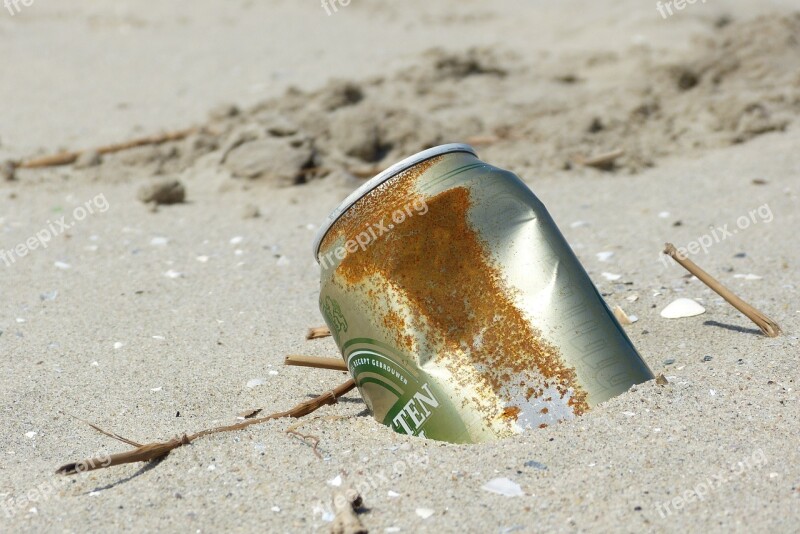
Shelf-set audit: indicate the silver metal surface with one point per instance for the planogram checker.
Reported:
(374, 182)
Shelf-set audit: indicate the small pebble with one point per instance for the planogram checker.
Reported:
(535, 465)
(669, 361)
(223, 111)
(62, 265)
(250, 211)
(424, 513)
(8, 171)
(50, 295)
(162, 191)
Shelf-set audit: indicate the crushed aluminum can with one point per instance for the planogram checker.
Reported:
(461, 311)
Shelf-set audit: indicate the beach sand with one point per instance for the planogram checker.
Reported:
(155, 322)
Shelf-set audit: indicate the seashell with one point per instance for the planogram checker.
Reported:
(682, 307)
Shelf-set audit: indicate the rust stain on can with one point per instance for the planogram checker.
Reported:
(378, 203)
(458, 300)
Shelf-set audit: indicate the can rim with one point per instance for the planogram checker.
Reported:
(380, 178)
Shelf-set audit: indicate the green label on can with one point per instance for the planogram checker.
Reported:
(410, 403)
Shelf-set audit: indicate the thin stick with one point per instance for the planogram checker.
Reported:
(767, 325)
(318, 331)
(152, 451)
(300, 360)
(602, 161)
(113, 435)
(65, 158)
(306, 437)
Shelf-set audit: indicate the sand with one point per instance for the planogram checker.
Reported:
(151, 322)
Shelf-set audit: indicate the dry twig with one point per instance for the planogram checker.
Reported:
(318, 331)
(65, 158)
(152, 451)
(767, 325)
(602, 161)
(299, 360)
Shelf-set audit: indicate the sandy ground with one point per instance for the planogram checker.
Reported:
(150, 324)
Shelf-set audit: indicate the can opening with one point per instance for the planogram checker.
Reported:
(374, 182)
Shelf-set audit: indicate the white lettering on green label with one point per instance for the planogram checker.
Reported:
(416, 412)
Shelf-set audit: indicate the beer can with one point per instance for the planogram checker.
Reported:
(459, 308)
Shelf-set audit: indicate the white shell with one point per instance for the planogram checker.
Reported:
(682, 308)
(748, 276)
(424, 513)
(503, 486)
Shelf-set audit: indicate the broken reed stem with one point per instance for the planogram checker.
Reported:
(602, 161)
(65, 158)
(767, 325)
(153, 451)
(318, 332)
(300, 360)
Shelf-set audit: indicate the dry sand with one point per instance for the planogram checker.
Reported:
(153, 323)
